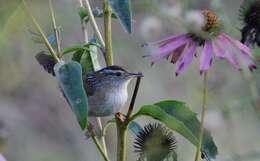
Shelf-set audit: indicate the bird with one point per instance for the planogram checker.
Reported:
(106, 90)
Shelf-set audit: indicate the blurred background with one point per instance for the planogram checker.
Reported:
(39, 124)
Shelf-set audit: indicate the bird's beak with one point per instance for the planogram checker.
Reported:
(136, 74)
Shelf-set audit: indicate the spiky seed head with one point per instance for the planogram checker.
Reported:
(155, 143)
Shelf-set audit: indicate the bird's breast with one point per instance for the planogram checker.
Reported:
(107, 103)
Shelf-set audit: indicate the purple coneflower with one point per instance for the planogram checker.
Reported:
(181, 49)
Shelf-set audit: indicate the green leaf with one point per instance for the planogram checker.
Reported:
(86, 62)
(157, 113)
(73, 49)
(83, 14)
(77, 56)
(178, 117)
(122, 9)
(181, 112)
(69, 76)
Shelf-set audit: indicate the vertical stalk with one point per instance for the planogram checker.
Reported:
(108, 33)
(203, 113)
(56, 30)
(121, 139)
(122, 123)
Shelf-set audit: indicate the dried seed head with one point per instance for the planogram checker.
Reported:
(155, 143)
(211, 20)
(250, 14)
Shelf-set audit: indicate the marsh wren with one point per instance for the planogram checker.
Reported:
(107, 90)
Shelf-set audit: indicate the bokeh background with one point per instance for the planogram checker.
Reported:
(39, 124)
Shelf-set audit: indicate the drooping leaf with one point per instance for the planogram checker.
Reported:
(178, 117)
(180, 111)
(122, 9)
(46, 61)
(86, 62)
(159, 114)
(86, 55)
(93, 49)
(69, 76)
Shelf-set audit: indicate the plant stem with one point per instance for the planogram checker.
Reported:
(39, 29)
(122, 123)
(84, 25)
(100, 149)
(56, 30)
(108, 33)
(203, 113)
(94, 24)
(103, 140)
(121, 137)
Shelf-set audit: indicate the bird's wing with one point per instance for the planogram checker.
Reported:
(90, 84)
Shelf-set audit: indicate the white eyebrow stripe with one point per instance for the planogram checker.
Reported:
(112, 71)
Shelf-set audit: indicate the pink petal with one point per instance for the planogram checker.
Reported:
(220, 53)
(167, 40)
(239, 45)
(247, 61)
(177, 54)
(229, 51)
(166, 49)
(2, 157)
(206, 57)
(186, 59)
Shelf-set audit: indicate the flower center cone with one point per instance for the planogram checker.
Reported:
(211, 20)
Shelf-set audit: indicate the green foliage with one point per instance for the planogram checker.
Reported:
(69, 76)
(86, 55)
(178, 117)
(122, 9)
(184, 114)
(83, 14)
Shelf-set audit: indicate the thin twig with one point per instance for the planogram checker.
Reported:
(103, 140)
(84, 25)
(38, 27)
(132, 103)
(94, 24)
(56, 30)
(100, 149)
(203, 113)
(108, 124)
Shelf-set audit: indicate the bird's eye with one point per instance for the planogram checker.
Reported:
(118, 74)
